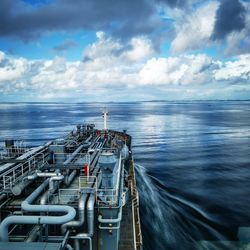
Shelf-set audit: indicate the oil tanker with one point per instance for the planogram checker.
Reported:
(77, 192)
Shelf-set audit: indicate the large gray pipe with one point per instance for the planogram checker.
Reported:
(69, 247)
(34, 233)
(65, 180)
(81, 215)
(52, 180)
(18, 188)
(53, 188)
(90, 219)
(69, 179)
(41, 174)
(70, 213)
(43, 200)
(2, 197)
(90, 214)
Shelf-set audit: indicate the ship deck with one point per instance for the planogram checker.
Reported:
(90, 174)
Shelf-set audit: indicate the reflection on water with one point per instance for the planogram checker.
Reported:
(192, 162)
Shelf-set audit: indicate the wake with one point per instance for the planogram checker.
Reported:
(168, 219)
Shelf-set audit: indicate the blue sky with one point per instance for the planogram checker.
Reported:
(115, 50)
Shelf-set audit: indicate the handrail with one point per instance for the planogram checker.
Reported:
(135, 208)
(16, 173)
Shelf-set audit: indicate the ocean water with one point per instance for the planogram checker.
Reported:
(192, 161)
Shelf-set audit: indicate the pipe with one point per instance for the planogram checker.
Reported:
(90, 214)
(73, 155)
(52, 180)
(55, 176)
(18, 188)
(77, 244)
(81, 237)
(31, 177)
(43, 201)
(44, 198)
(111, 221)
(51, 190)
(65, 180)
(34, 233)
(65, 239)
(81, 214)
(70, 213)
(2, 197)
(37, 219)
(90, 219)
(47, 174)
(69, 247)
(41, 174)
(69, 178)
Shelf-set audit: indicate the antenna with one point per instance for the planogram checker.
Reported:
(105, 118)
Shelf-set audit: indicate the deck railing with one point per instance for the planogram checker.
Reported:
(66, 196)
(18, 172)
(135, 208)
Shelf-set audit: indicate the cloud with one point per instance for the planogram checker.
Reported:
(123, 19)
(193, 31)
(238, 42)
(105, 67)
(223, 25)
(112, 63)
(182, 70)
(174, 3)
(11, 69)
(54, 75)
(238, 70)
(67, 44)
(132, 70)
(137, 48)
(230, 17)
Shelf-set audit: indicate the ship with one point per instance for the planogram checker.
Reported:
(76, 192)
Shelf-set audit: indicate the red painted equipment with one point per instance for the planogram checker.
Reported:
(86, 169)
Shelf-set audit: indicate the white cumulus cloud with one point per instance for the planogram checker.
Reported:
(181, 70)
(193, 31)
(110, 69)
(11, 68)
(238, 69)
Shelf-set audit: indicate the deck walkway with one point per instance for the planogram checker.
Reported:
(127, 238)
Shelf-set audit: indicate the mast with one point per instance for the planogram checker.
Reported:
(105, 118)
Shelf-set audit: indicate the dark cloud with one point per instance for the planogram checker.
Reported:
(67, 44)
(118, 52)
(87, 59)
(174, 3)
(120, 18)
(3, 63)
(230, 17)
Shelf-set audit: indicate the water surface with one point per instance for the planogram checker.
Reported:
(192, 161)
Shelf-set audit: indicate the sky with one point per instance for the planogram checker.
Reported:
(124, 50)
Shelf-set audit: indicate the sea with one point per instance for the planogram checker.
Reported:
(192, 162)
